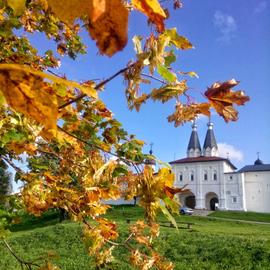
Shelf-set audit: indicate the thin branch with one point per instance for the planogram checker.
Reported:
(97, 87)
(153, 77)
(49, 153)
(11, 163)
(21, 261)
(125, 160)
(55, 74)
(85, 142)
(62, 77)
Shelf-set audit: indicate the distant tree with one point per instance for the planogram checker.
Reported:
(5, 182)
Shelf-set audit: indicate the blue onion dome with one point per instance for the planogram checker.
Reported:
(258, 162)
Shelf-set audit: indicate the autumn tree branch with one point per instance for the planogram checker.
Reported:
(153, 77)
(125, 160)
(11, 163)
(22, 263)
(97, 87)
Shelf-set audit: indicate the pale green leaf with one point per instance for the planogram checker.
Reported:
(168, 215)
(177, 40)
(170, 58)
(166, 74)
(172, 204)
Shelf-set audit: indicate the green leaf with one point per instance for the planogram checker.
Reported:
(177, 40)
(166, 74)
(167, 92)
(168, 215)
(172, 204)
(18, 6)
(120, 170)
(170, 58)
(13, 135)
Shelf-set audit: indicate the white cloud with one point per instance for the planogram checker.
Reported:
(227, 150)
(226, 25)
(260, 7)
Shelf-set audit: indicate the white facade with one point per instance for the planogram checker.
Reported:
(214, 182)
(208, 181)
(257, 190)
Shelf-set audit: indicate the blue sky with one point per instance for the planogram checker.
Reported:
(231, 40)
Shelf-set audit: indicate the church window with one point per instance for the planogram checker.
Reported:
(215, 176)
(192, 177)
(234, 199)
(231, 177)
(205, 176)
(181, 177)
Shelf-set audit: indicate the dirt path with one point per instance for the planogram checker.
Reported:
(240, 220)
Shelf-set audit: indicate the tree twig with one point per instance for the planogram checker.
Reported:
(97, 87)
(20, 261)
(11, 163)
(153, 77)
(125, 160)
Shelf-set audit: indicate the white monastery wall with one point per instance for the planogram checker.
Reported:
(257, 191)
(234, 187)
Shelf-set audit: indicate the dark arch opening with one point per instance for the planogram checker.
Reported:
(190, 201)
(213, 202)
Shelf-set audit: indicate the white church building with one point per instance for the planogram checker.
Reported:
(214, 181)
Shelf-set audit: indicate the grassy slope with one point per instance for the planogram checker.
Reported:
(211, 244)
(251, 216)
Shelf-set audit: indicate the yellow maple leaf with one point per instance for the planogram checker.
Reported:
(153, 10)
(28, 94)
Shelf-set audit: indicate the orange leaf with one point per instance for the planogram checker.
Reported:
(222, 98)
(109, 27)
(99, 9)
(170, 192)
(184, 113)
(108, 20)
(68, 10)
(153, 10)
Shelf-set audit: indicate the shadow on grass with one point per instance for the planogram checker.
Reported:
(30, 222)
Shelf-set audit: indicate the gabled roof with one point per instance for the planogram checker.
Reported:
(210, 140)
(255, 168)
(202, 159)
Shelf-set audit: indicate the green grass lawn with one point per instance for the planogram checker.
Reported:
(210, 244)
(251, 216)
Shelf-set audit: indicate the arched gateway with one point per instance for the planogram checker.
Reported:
(188, 199)
(211, 201)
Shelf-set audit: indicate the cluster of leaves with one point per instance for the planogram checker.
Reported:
(68, 133)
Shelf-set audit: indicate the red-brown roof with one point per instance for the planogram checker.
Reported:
(202, 159)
